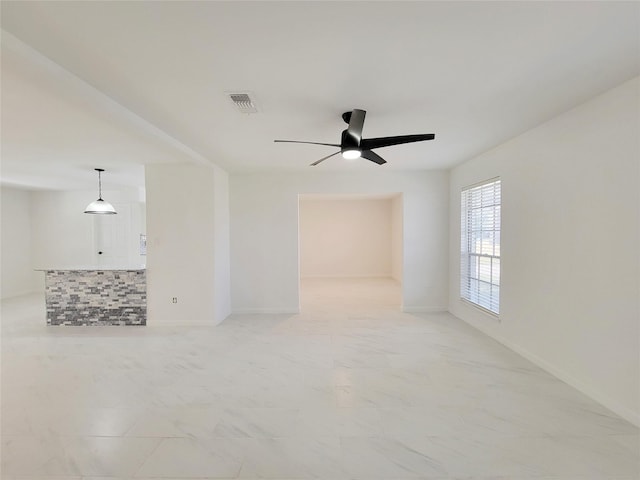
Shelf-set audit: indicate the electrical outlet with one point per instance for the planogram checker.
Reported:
(174, 300)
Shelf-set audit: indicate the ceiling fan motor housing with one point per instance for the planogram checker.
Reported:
(348, 142)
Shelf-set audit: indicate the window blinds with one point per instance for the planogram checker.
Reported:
(480, 245)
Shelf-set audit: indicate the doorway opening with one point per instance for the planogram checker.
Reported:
(350, 251)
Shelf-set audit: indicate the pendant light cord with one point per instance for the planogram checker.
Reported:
(99, 185)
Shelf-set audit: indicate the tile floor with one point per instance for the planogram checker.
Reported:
(349, 389)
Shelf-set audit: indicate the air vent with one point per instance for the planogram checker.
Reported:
(243, 102)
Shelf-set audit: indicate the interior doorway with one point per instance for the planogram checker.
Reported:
(350, 251)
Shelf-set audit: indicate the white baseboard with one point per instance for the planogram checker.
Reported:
(189, 323)
(597, 396)
(411, 309)
(265, 311)
(376, 275)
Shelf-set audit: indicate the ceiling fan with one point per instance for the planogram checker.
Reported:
(353, 146)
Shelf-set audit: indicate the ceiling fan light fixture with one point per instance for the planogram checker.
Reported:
(99, 206)
(351, 154)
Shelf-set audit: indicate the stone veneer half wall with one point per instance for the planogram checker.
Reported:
(96, 297)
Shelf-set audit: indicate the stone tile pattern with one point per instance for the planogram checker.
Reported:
(96, 297)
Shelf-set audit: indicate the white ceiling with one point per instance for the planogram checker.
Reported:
(122, 84)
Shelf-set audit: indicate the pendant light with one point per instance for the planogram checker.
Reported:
(100, 207)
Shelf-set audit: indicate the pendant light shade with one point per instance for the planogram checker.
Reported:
(100, 207)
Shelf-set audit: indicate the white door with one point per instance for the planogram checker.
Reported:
(112, 234)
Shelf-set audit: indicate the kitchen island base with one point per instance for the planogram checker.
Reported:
(96, 297)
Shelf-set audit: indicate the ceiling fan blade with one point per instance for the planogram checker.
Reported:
(310, 143)
(356, 122)
(373, 157)
(323, 159)
(369, 143)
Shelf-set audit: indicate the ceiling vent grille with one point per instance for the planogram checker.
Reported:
(243, 102)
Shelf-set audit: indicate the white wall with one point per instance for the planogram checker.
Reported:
(570, 234)
(341, 237)
(48, 229)
(138, 227)
(222, 248)
(264, 234)
(396, 238)
(62, 233)
(182, 244)
(64, 236)
(16, 262)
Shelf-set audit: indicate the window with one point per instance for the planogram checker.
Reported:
(480, 245)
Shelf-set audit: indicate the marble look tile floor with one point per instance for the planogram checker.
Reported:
(348, 389)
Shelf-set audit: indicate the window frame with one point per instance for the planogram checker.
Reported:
(472, 230)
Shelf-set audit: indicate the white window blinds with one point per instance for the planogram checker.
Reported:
(480, 245)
